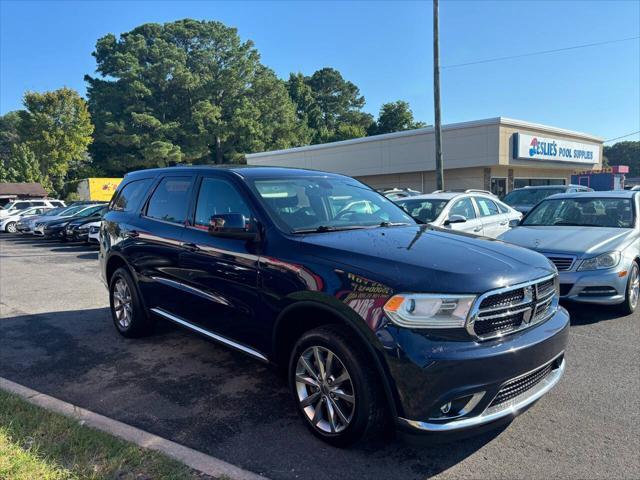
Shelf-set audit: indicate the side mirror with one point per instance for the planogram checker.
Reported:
(232, 225)
(455, 219)
(514, 223)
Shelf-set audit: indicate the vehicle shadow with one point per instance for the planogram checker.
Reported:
(200, 394)
(586, 314)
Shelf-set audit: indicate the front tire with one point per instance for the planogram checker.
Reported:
(632, 296)
(128, 314)
(10, 227)
(336, 389)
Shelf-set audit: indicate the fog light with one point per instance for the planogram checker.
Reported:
(446, 408)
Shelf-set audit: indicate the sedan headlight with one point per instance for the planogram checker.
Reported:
(429, 310)
(606, 260)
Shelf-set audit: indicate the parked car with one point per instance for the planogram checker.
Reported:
(77, 230)
(397, 193)
(469, 211)
(8, 223)
(27, 225)
(594, 241)
(55, 228)
(524, 199)
(372, 315)
(17, 205)
(94, 233)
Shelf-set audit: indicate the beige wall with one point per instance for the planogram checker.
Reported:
(464, 147)
(406, 159)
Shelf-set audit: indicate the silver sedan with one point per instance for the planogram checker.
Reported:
(594, 241)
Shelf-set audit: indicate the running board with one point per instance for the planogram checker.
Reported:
(208, 334)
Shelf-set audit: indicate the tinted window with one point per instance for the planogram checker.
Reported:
(530, 196)
(218, 196)
(463, 207)
(502, 207)
(486, 207)
(21, 205)
(38, 204)
(170, 200)
(129, 197)
(57, 204)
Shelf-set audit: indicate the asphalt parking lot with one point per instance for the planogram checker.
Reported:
(56, 336)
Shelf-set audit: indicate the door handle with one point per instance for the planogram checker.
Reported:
(132, 234)
(477, 229)
(190, 246)
(503, 223)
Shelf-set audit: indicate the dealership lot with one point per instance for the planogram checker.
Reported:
(56, 336)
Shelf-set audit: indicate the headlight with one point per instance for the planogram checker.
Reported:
(606, 260)
(429, 310)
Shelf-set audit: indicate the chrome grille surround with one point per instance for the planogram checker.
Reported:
(529, 303)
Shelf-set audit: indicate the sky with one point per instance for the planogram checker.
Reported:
(385, 48)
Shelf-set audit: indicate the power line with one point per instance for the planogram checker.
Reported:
(542, 52)
(623, 136)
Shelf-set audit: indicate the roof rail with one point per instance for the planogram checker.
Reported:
(468, 190)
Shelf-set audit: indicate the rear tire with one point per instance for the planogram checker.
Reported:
(632, 294)
(337, 391)
(129, 315)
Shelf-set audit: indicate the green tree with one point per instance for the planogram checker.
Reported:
(186, 91)
(624, 153)
(56, 127)
(23, 166)
(9, 135)
(329, 106)
(395, 117)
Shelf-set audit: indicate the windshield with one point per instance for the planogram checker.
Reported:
(530, 196)
(54, 211)
(90, 211)
(425, 210)
(583, 212)
(309, 204)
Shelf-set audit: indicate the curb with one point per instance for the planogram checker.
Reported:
(192, 458)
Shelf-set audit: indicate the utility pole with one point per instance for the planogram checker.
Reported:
(436, 98)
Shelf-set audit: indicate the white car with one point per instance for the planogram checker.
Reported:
(94, 233)
(8, 223)
(472, 211)
(15, 206)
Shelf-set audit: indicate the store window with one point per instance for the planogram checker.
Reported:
(537, 182)
(499, 186)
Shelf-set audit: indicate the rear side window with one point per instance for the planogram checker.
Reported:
(21, 205)
(129, 197)
(170, 200)
(502, 207)
(486, 207)
(57, 204)
(38, 204)
(216, 197)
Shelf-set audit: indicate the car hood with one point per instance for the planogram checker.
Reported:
(424, 258)
(577, 241)
(83, 220)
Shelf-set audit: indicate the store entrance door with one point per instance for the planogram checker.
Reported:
(499, 186)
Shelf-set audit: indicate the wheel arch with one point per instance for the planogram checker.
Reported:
(302, 316)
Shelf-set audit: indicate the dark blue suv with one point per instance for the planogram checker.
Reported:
(376, 319)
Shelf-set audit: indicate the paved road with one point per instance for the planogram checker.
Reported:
(56, 336)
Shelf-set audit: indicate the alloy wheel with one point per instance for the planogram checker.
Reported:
(11, 227)
(325, 390)
(122, 303)
(634, 287)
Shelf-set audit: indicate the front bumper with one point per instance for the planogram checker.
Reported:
(429, 373)
(602, 287)
(56, 232)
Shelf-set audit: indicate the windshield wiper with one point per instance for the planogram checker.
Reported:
(327, 228)
(393, 224)
(573, 224)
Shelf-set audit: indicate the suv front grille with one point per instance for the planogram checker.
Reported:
(522, 384)
(510, 309)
